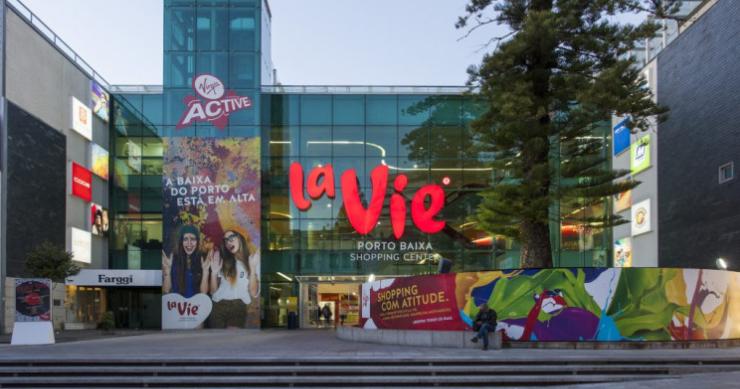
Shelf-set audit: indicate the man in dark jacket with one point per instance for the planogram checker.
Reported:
(485, 322)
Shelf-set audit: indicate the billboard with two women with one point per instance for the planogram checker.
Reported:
(211, 233)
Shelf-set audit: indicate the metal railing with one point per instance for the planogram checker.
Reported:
(137, 89)
(364, 89)
(60, 44)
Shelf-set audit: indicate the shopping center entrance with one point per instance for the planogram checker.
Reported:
(329, 301)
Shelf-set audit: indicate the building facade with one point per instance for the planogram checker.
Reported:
(312, 255)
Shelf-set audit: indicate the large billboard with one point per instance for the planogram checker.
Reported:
(211, 222)
(567, 304)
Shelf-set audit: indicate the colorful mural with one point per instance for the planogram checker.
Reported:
(586, 304)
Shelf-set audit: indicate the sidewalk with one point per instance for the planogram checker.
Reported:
(307, 344)
(79, 335)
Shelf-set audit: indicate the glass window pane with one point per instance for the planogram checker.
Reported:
(349, 141)
(211, 25)
(349, 110)
(179, 70)
(316, 141)
(242, 29)
(382, 141)
(181, 33)
(243, 70)
(316, 109)
(381, 110)
(411, 110)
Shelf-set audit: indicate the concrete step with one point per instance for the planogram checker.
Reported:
(325, 381)
(361, 369)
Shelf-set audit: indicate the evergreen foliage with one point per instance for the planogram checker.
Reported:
(50, 261)
(560, 71)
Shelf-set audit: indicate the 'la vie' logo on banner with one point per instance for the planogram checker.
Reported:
(363, 220)
(214, 105)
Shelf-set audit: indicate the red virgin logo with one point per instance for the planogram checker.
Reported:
(320, 181)
(216, 106)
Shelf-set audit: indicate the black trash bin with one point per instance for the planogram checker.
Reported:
(292, 321)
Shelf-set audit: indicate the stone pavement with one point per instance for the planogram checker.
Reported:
(323, 345)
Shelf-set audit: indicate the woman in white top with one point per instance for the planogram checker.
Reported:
(233, 280)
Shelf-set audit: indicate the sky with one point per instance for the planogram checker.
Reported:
(314, 42)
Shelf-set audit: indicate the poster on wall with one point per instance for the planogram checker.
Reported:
(565, 304)
(81, 182)
(641, 217)
(623, 252)
(621, 136)
(32, 300)
(81, 245)
(211, 232)
(99, 222)
(623, 201)
(640, 155)
(100, 162)
(100, 100)
(81, 119)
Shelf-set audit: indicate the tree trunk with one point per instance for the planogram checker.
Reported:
(535, 240)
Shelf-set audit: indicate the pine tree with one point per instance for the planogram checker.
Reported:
(561, 70)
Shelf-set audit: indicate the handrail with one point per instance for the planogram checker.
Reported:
(364, 89)
(60, 44)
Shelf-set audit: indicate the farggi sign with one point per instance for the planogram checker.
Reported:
(321, 181)
(213, 103)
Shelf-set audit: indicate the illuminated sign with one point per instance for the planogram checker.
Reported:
(81, 245)
(81, 119)
(320, 181)
(216, 106)
(81, 182)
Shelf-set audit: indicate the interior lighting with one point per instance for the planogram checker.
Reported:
(371, 278)
(284, 276)
(721, 263)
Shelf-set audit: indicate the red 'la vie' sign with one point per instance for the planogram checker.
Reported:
(321, 181)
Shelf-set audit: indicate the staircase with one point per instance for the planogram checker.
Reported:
(334, 372)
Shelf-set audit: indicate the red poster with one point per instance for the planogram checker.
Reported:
(81, 182)
(415, 303)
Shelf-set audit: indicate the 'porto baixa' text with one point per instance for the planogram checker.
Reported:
(320, 181)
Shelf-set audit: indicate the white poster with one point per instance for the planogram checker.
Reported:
(641, 217)
(81, 245)
(81, 119)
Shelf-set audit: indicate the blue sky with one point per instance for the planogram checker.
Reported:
(314, 42)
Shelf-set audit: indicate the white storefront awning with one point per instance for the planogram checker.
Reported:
(115, 277)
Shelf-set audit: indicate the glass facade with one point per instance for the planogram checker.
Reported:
(427, 138)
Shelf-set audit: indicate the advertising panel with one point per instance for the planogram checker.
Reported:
(81, 119)
(640, 221)
(81, 245)
(100, 159)
(32, 300)
(81, 182)
(100, 100)
(211, 229)
(623, 252)
(640, 155)
(99, 222)
(623, 201)
(567, 304)
(621, 137)
(422, 303)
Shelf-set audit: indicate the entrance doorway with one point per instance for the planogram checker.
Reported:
(328, 302)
